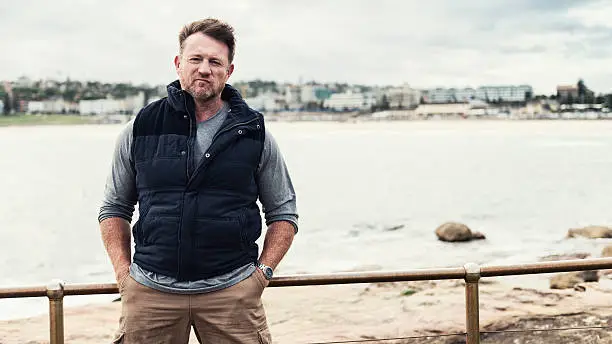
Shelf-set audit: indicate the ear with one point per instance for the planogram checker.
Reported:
(230, 70)
(177, 62)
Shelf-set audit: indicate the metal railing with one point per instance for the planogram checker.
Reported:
(471, 273)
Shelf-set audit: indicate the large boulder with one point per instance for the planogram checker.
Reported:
(606, 253)
(591, 232)
(456, 232)
(570, 280)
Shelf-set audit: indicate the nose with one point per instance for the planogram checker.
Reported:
(204, 67)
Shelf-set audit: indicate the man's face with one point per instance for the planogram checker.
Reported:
(203, 67)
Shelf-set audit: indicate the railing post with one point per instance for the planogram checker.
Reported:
(472, 276)
(55, 293)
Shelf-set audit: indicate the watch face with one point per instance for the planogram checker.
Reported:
(268, 272)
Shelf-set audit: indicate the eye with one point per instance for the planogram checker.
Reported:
(195, 59)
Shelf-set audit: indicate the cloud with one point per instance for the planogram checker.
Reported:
(426, 44)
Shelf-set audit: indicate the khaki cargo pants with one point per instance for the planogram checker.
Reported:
(229, 316)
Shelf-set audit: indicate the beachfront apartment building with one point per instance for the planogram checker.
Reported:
(266, 102)
(350, 101)
(502, 94)
(403, 97)
(111, 106)
(51, 106)
(24, 82)
(293, 97)
(314, 93)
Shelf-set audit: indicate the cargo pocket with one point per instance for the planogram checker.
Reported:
(264, 336)
(263, 282)
(119, 336)
(118, 339)
(121, 284)
(120, 333)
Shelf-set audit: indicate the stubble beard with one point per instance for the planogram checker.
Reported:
(201, 95)
(204, 94)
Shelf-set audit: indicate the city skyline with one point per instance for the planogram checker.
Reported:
(427, 45)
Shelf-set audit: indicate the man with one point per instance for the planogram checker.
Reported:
(196, 162)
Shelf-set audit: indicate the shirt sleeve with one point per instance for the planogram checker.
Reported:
(276, 192)
(120, 194)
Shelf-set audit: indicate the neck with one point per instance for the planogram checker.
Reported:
(206, 109)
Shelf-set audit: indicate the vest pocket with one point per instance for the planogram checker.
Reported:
(160, 230)
(218, 233)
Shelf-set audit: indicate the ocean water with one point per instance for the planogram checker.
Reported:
(370, 196)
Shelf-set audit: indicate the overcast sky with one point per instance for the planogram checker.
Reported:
(445, 43)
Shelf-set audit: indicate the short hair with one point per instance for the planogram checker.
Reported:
(213, 28)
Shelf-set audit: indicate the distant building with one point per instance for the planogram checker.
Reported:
(35, 106)
(505, 94)
(109, 106)
(403, 97)
(471, 108)
(51, 106)
(99, 107)
(264, 103)
(24, 82)
(293, 97)
(463, 95)
(443, 109)
(490, 94)
(350, 101)
(314, 94)
(439, 96)
(307, 94)
(566, 93)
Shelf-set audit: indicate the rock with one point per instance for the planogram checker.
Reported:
(569, 256)
(570, 280)
(606, 253)
(394, 228)
(454, 232)
(478, 236)
(591, 232)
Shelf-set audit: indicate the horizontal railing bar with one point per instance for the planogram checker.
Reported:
(8, 293)
(556, 329)
(368, 277)
(547, 267)
(90, 289)
(354, 277)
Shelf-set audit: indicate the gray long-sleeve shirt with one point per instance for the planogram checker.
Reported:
(276, 195)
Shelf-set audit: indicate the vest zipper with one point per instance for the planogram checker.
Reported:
(180, 229)
(190, 136)
(232, 127)
(201, 166)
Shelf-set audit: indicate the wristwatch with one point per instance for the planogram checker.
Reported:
(267, 271)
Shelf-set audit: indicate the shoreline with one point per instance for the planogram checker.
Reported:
(24, 120)
(365, 311)
(38, 120)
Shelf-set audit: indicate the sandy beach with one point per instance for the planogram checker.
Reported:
(299, 315)
(511, 181)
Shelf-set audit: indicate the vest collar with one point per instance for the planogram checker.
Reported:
(183, 101)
